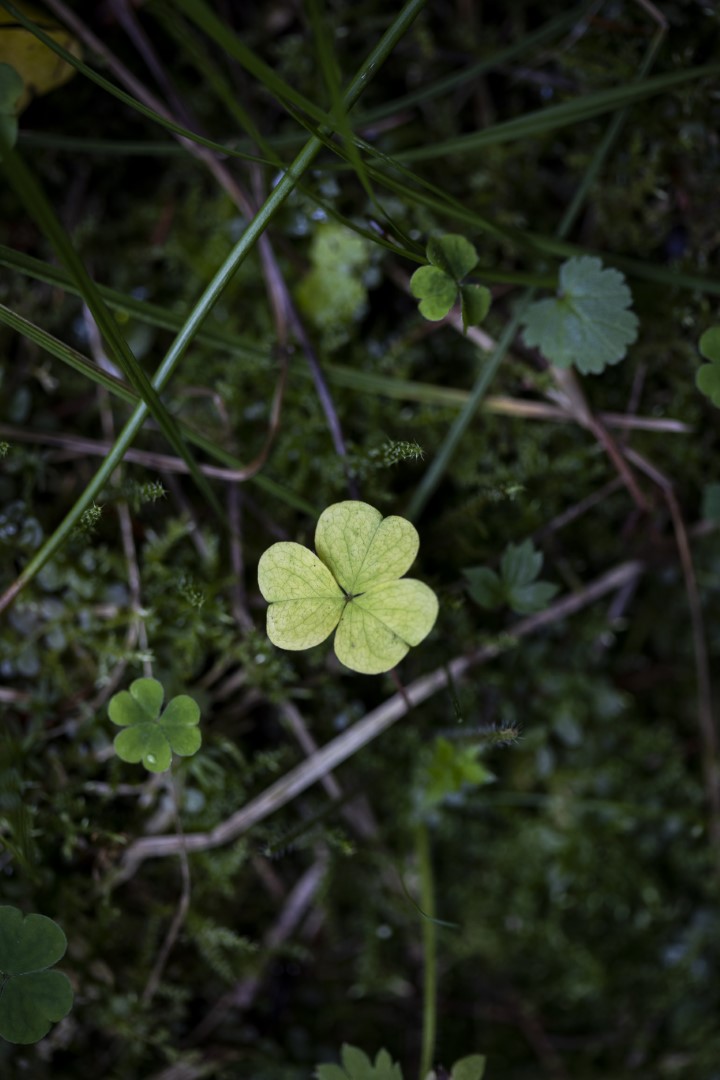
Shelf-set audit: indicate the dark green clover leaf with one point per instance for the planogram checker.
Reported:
(149, 736)
(515, 585)
(11, 91)
(707, 379)
(436, 286)
(31, 997)
(588, 324)
(356, 1065)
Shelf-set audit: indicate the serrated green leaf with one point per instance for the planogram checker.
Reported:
(356, 1065)
(475, 301)
(352, 584)
(469, 1068)
(148, 736)
(435, 290)
(454, 766)
(709, 343)
(452, 253)
(588, 325)
(527, 599)
(520, 564)
(31, 997)
(484, 587)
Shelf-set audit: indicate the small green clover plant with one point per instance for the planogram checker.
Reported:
(352, 584)
(588, 323)
(707, 378)
(516, 585)
(356, 1065)
(149, 736)
(32, 998)
(436, 286)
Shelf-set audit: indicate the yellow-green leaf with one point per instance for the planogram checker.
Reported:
(305, 600)
(377, 629)
(361, 548)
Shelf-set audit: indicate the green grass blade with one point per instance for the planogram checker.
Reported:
(33, 197)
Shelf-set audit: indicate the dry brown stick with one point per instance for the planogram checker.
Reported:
(364, 731)
(706, 720)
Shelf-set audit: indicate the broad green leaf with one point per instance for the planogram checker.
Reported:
(469, 1068)
(356, 1065)
(707, 378)
(378, 628)
(352, 584)
(11, 90)
(520, 563)
(484, 587)
(588, 324)
(435, 290)
(361, 548)
(305, 600)
(149, 736)
(31, 997)
(453, 254)
(475, 304)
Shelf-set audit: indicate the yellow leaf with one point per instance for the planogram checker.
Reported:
(40, 69)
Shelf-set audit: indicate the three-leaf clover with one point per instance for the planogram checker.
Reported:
(31, 997)
(516, 585)
(356, 1065)
(436, 286)
(352, 584)
(707, 379)
(148, 736)
(588, 324)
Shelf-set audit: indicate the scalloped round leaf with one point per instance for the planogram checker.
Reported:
(361, 548)
(144, 742)
(179, 724)
(306, 601)
(30, 1004)
(142, 702)
(149, 694)
(709, 344)
(28, 943)
(452, 253)
(435, 290)
(707, 380)
(378, 628)
(475, 301)
(587, 324)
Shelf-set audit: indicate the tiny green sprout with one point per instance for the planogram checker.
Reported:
(352, 584)
(32, 998)
(707, 378)
(516, 585)
(588, 323)
(436, 286)
(149, 736)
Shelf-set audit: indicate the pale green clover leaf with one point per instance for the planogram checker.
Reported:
(588, 324)
(436, 286)
(353, 583)
(32, 998)
(148, 736)
(356, 1065)
(707, 378)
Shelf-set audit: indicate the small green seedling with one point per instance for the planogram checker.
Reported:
(11, 92)
(149, 736)
(32, 998)
(588, 323)
(352, 584)
(436, 286)
(452, 770)
(516, 584)
(356, 1065)
(707, 379)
